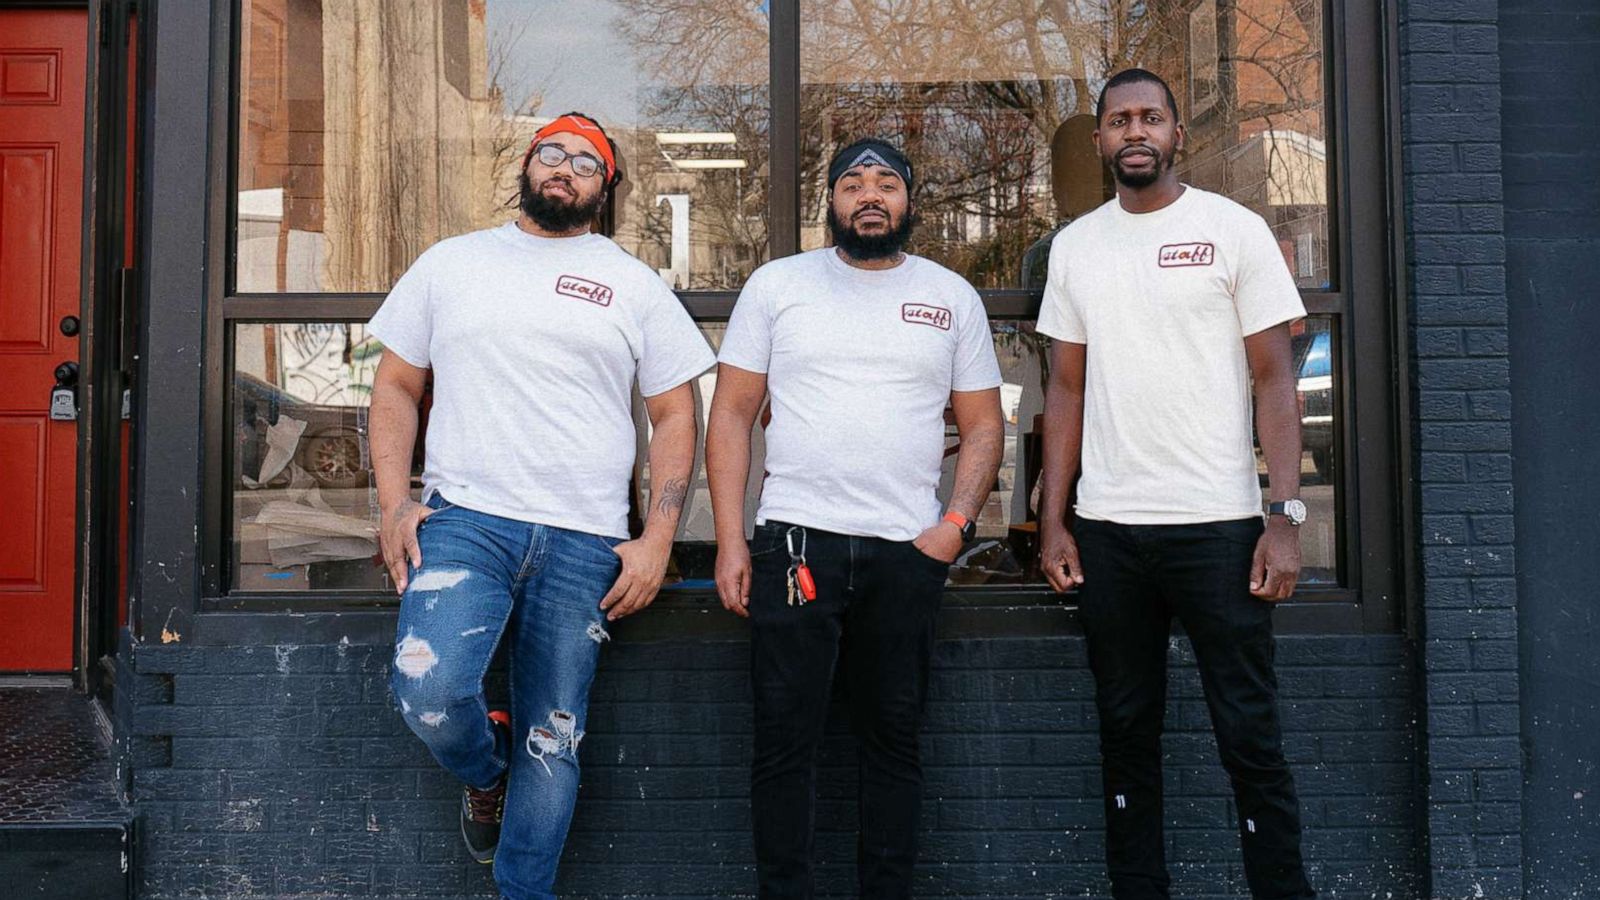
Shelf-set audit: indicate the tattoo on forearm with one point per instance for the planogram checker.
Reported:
(672, 494)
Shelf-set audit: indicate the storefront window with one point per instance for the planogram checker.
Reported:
(994, 101)
(305, 508)
(369, 129)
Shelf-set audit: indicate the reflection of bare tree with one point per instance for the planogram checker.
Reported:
(506, 139)
(975, 90)
(730, 206)
(708, 62)
(696, 43)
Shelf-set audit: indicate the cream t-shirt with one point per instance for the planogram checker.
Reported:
(860, 365)
(536, 345)
(1163, 300)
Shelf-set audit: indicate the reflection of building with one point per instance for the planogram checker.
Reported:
(378, 134)
(1255, 122)
(695, 204)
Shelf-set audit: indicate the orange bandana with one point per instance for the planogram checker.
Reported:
(583, 127)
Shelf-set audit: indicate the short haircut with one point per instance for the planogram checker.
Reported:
(1134, 76)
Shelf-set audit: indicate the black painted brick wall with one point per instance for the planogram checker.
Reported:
(280, 771)
(1450, 79)
(1550, 57)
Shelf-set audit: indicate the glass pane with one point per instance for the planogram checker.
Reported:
(305, 509)
(369, 129)
(1317, 389)
(304, 504)
(994, 102)
(694, 555)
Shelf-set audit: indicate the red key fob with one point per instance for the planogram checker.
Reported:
(808, 585)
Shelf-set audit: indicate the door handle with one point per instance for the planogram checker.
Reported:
(64, 396)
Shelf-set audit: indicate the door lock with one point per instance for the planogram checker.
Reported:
(64, 396)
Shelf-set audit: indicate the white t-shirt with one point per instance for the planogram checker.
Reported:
(1164, 300)
(860, 365)
(535, 344)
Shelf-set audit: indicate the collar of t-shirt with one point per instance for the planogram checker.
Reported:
(1126, 219)
(870, 277)
(513, 233)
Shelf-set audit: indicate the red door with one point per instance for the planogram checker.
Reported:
(42, 70)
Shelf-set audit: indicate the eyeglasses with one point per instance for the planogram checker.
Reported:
(583, 165)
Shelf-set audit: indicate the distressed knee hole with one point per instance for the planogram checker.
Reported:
(438, 580)
(433, 719)
(598, 633)
(557, 739)
(414, 657)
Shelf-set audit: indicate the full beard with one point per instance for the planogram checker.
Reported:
(553, 214)
(1141, 179)
(866, 247)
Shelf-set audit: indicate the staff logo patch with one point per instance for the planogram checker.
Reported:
(1175, 256)
(584, 289)
(922, 314)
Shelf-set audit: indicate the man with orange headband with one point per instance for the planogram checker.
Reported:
(536, 333)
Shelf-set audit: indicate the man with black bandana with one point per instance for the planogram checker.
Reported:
(861, 347)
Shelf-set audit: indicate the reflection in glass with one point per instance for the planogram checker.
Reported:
(994, 102)
(369, 129)
(1007, 546)
(1316, 382)
(304, 506)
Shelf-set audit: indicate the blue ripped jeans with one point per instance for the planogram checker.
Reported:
(482, 578)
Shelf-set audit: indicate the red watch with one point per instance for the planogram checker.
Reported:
(969, 528)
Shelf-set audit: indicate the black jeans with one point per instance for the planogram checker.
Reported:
(874, 612)
(1136, 579)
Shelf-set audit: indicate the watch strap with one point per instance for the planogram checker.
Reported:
(1281, 508)
(967, 526)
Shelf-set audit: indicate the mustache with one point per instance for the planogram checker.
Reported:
(873, 207)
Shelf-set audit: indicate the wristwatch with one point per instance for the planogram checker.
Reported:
(969, 528)
(1293, 510)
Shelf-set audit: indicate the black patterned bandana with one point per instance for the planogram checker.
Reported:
(869, 152)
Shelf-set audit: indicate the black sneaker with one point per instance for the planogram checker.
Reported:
(481, 811)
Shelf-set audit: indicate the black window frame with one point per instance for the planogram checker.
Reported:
(1361, 113)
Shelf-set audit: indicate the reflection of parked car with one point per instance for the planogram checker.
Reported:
(330, 449)
(1313, 354)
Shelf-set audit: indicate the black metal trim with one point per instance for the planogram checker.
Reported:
(783, 160)
(1370, 438)
(218, 406)
(1408, 586)
(106, 204)
(174, 249)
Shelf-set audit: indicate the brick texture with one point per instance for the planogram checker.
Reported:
(1549, 50)
(1451, 132)
(283, 771)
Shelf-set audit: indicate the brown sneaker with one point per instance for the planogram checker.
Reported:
(482, 811)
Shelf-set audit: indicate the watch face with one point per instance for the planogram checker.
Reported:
(1295, 510)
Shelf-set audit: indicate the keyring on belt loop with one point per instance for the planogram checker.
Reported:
(788, 540)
